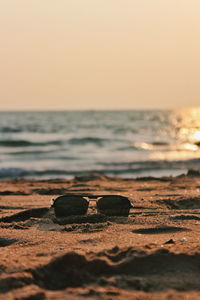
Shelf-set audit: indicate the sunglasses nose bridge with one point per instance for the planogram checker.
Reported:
(92, 200)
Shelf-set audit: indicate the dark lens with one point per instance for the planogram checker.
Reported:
(114, 205)
(68, 205)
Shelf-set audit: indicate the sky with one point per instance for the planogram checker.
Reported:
(99, 54)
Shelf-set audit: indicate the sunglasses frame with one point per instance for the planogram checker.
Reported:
(78, 204)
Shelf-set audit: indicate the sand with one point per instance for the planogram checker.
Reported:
(152, 254)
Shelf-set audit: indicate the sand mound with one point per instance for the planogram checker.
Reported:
(6, 242)
(26, 214)
(160, 230)
(185, 217)
(91, 177)
(14, 282)
(185, 203)
(125, 268)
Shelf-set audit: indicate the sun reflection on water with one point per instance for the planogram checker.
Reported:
(196, 136)
(183, 129)
(188, 126)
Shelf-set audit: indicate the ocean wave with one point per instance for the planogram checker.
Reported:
(14, 173)
(151, 146)
(164, 146)
(160, 143)
(7, 129)
(88, 140)
(25, 143)
(153, 163)
(43, 155)
(121, 169)
(31, 152)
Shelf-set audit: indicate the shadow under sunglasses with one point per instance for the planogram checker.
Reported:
(77, 204)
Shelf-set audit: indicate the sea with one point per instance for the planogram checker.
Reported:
(128, 144)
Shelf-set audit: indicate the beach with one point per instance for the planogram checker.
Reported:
(100, 150)
(152, 254)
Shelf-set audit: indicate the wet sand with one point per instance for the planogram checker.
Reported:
(152, 254)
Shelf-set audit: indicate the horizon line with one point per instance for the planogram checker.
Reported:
(94, 109)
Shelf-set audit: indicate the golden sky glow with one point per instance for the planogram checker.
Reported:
(99, 54)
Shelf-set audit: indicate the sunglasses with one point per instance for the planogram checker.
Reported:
(77, 204)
